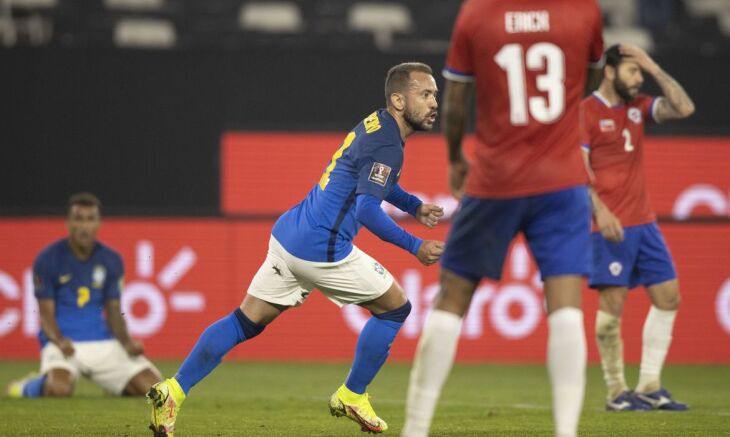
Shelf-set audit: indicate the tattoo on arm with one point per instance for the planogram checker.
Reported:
(676, 102)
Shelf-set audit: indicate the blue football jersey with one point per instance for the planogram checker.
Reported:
(79, 288)
(321, 227)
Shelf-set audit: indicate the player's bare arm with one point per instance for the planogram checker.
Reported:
(118, 326)
(676, 103)
(608, 224)
(429, 214)
(455, 101)
(47, 309)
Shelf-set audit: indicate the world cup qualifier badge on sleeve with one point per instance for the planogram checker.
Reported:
(379, 173)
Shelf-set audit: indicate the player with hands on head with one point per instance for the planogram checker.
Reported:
(628, 247)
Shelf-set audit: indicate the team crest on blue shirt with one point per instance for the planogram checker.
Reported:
(98, 276)
(635, 115)
(379, 173)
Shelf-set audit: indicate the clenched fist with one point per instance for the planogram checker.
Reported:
(429, 214)
(430, 251)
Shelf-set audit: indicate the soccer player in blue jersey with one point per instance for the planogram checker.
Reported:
(77, 280)
(311, 247)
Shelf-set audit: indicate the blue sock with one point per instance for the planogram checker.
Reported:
(373, 347)
(213, 344)
(34, 387)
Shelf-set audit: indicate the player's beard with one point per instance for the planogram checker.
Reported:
(622, 90)
(414, 122)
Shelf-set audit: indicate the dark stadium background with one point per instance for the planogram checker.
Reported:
(142, 126)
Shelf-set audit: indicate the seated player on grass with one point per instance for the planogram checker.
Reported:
(78, 283)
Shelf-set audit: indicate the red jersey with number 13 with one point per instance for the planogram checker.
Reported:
(529, 60)
(614, 137)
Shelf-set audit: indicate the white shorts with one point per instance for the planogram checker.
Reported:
(105, 362)
(284, 279)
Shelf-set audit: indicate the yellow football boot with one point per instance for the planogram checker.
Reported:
(357, 408)
(14, 389)
(166, 398)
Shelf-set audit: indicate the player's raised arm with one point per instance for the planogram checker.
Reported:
(676, 103)
(455, 104)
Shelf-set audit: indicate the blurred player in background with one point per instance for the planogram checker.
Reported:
(529, 63)
(311, 247)
(628, 247)
(78, 282)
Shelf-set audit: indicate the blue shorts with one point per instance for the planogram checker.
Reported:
(641, 259)
(557, 227)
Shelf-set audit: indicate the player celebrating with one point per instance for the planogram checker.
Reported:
(628, 247)
(529, 61)
(78, 279)
(311, 247)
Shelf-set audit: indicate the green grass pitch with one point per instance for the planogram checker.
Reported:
(286, 399)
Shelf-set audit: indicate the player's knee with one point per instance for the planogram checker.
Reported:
(669, 302)
(455, 294)
(59, 388)
(250, 329)
(611, 301)
(399, 314)
(608, 326)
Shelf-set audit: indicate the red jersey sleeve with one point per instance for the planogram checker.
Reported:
(648, 105)
(459, 64)
(596, 48)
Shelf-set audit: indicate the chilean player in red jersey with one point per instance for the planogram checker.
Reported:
(529, 62)
(628, 248)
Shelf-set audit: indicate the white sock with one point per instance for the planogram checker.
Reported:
(611, 348)
(566, 359)
(431, 367)
(656, 340)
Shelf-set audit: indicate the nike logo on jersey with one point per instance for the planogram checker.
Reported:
(63, 279)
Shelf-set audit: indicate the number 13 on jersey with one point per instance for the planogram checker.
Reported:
(513, 59)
